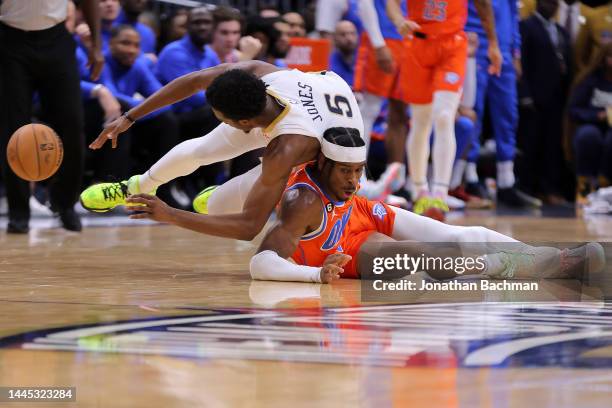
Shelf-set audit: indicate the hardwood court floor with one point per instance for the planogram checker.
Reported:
(156, 316)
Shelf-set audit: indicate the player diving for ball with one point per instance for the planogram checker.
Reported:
(260, 105)
(324, 231)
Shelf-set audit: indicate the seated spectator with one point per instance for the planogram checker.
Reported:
(173, 27)
(112, 15)
(342, 59)
(109, 11)
(151, 20)
(268, 11)
(590, 108)
(130, 12)
(192, 53)
(593, 34)
(227, 30)
(128, 76)
(297, 25)
(274, 42)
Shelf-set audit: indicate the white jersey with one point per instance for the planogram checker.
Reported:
(314, 102)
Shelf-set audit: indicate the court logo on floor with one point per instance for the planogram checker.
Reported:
(440, 335)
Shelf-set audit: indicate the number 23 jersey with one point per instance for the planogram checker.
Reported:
(314, 102)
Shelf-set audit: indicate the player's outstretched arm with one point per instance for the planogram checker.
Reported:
(175, 91)
(281, 155)
(301, 212)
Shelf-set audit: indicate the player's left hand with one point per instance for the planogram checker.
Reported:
(496, 59)
(149, 207)
(407, 27)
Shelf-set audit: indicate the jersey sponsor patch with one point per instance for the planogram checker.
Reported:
(379, 211)
(451, 77)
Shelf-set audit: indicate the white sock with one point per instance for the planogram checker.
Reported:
(409, 226)
(223, 143)
(505, 174)
(458, 170)
(229, 197)
(444, 110)
(471, 175)
(418, 147)
(370, 108)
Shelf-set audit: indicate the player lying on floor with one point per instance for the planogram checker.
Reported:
(323, 227)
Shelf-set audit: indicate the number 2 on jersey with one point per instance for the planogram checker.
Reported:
(336, 106)
(435, 10)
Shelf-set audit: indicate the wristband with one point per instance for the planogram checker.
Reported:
(128, 117)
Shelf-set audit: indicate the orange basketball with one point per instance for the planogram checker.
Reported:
(35, 152)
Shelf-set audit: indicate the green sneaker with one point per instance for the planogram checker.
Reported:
(200, 203)
(103, 197)
(425, 203)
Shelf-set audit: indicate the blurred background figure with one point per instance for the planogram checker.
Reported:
(173, 27)
(342, 59)
(543, 96)
(297, 26)
(590, 108)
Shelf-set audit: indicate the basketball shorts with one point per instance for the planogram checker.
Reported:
(367, 218)
(432, 64)
(369, 77)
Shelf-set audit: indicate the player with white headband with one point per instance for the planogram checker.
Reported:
(323, 228)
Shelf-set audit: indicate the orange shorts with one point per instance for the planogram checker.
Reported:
(369, 77)
(430, 65)
(367, 218)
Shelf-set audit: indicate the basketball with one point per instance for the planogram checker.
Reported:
(35, 152)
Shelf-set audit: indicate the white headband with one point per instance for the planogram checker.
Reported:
(343, 154)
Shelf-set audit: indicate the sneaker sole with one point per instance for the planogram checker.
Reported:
(96, 210)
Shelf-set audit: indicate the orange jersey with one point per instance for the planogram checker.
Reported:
(438, 17)
(344, 227)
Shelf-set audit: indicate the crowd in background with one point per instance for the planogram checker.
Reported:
(562, 72)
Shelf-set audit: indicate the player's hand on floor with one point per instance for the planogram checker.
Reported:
(333, 267)
(111, 131)
(149, 207)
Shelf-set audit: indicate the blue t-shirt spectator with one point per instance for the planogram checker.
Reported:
(126, 82)
(147, 36)
(340, 67)
(183, 57)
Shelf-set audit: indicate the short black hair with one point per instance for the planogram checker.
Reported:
(116, 30)
(343, 136)
(237, 94)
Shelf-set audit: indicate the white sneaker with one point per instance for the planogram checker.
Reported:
(392, 179)
(180, 196)
(3, 206)
(454, 203)
(38, 209)
(397, 201)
